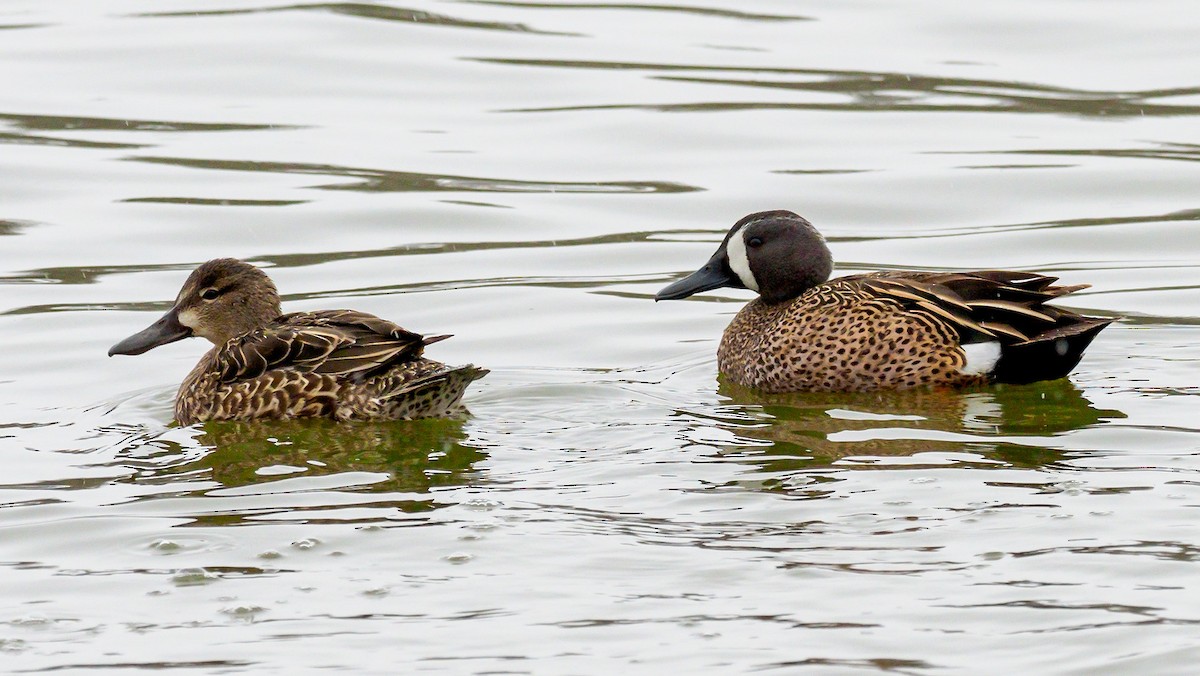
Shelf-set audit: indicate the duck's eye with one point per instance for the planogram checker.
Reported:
(210, 294)
(754, 242)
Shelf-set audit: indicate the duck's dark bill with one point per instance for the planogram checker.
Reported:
(711, 276)
(166, 330)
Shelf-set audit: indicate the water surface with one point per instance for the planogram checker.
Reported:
(525, 175)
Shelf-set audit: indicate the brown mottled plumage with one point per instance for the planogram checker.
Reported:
(887, 330)
(338, 364)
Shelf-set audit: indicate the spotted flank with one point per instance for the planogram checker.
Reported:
(886, 330)
(338, 364)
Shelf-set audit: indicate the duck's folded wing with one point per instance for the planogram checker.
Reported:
(277, 347)
(1008, 306)
(354, 321)
(332, 342)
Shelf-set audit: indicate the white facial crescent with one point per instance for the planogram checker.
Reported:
(739, 262)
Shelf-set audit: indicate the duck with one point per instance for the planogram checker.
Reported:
(340, 364)
(890, 330)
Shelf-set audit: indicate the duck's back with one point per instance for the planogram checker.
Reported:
(339, 364)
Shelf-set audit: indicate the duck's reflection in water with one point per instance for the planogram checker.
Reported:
(1000, 425)
(415, 456)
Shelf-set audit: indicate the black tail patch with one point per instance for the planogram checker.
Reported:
(1048, 355)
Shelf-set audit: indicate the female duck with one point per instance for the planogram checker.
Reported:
(885, 330)
(338, 364)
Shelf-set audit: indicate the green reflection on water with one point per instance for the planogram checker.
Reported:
(417, 456)
(1005, 424)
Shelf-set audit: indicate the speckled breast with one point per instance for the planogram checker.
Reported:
(837, 337)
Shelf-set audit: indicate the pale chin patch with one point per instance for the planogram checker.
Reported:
(188, 318)
(981, 358)
(191, 319)
(739, 261)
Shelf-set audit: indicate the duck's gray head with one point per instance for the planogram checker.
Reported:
(776, 253)
(221, 299)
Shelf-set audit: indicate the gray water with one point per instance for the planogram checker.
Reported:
(525, 175)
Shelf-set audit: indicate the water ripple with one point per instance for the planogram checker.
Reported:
(881, 91)
(33, 140)
(77, 123)
(381, 180)
(680, 9)
(365, 10)
(13, 227)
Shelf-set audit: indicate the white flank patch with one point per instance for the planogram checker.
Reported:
(739, 262)
(981, 357)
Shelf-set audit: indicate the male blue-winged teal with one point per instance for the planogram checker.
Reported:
(338, 364)
(884, 330)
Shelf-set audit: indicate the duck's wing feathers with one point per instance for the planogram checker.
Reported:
(931, 299)
(342, 343)
(1037, 341)
(1004, 305)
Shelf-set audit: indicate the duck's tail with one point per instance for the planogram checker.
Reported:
(435, 393)
(1009, 310)
(1050, 354)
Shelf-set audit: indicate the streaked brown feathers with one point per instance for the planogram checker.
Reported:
(338, 363)
(341, 364)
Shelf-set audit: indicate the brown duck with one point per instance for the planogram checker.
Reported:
(885, 330)
(338, 364)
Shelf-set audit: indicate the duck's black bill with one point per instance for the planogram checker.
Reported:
(712, 276)
(166, 330)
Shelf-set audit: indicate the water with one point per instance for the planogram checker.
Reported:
(526, 176)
